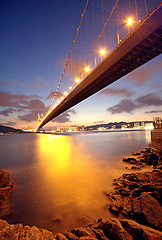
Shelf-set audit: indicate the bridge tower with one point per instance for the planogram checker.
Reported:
(40, 117)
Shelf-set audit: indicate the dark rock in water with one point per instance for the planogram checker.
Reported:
(113, 229)
(82, 232)
(140, 232)
(129, 159)
(148, 210)
(132, 162)
(138, 195)
(149, 156)
(114, 208)
(153, 159)
(57, 220)
(135, 168)
(135, 153)
(6, 186)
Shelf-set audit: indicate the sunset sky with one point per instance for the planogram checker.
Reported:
(36, 38)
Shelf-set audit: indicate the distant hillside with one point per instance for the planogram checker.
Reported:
(116, 124)
(4, 129)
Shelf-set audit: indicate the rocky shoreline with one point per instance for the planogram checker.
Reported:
(136, 196)
(6, 186)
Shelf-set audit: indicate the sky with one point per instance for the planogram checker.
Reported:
(36, 38)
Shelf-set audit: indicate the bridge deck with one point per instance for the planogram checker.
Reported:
(140, 46)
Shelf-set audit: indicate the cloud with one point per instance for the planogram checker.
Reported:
(7, 111)
(124, 106)
(145, 73)
(18, 103)
(65, 117)
(128, 106)
(154, 111)
(51, 95)
(35, 104)
(149, 99)
(8, 123)
(15, 100)
(114, 92)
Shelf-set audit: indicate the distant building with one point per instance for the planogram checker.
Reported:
(72, 128)
(142, 124)
(136, 125)
(101, 129)
(124, 126)
(81, 128)
(149, 125)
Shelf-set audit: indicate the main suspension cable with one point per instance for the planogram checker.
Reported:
(100, 35)
(69, 54)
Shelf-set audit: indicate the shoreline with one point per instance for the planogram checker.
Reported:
(127, 197)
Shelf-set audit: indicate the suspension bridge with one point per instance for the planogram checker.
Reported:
(140, 45)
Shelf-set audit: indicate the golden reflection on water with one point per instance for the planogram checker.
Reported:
(54, 153)
(148, 136)
(72, 184)
(64, 177)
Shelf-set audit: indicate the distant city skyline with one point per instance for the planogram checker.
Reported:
(36, 38)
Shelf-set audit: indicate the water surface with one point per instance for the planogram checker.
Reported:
(60, 180)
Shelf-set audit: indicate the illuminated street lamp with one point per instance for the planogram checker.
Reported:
(70, 88)
(87, 69)
(129, 23)
(102, 52)
(65, 93)
(77, 80)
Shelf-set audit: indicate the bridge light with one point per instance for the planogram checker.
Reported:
(65, 93)
(70, 88)
(61, 98)
(102, 52)
(129, 21)
(77, 80)
(87, 69)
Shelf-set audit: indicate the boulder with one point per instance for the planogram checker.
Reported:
(113, 229)
(18, 231)
(6, 186)
(129, 159)
(138, 231)
(148, 211)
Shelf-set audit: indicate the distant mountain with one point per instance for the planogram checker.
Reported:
(4, 129)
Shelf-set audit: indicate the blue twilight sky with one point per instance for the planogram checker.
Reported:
(35, 40)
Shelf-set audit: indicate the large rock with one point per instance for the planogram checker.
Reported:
(18, 231)
(138, 195)
(112, 229)
(6, 186)
(148, 210)
(138, 231)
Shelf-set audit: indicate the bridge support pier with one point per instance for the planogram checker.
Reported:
(39, 129)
